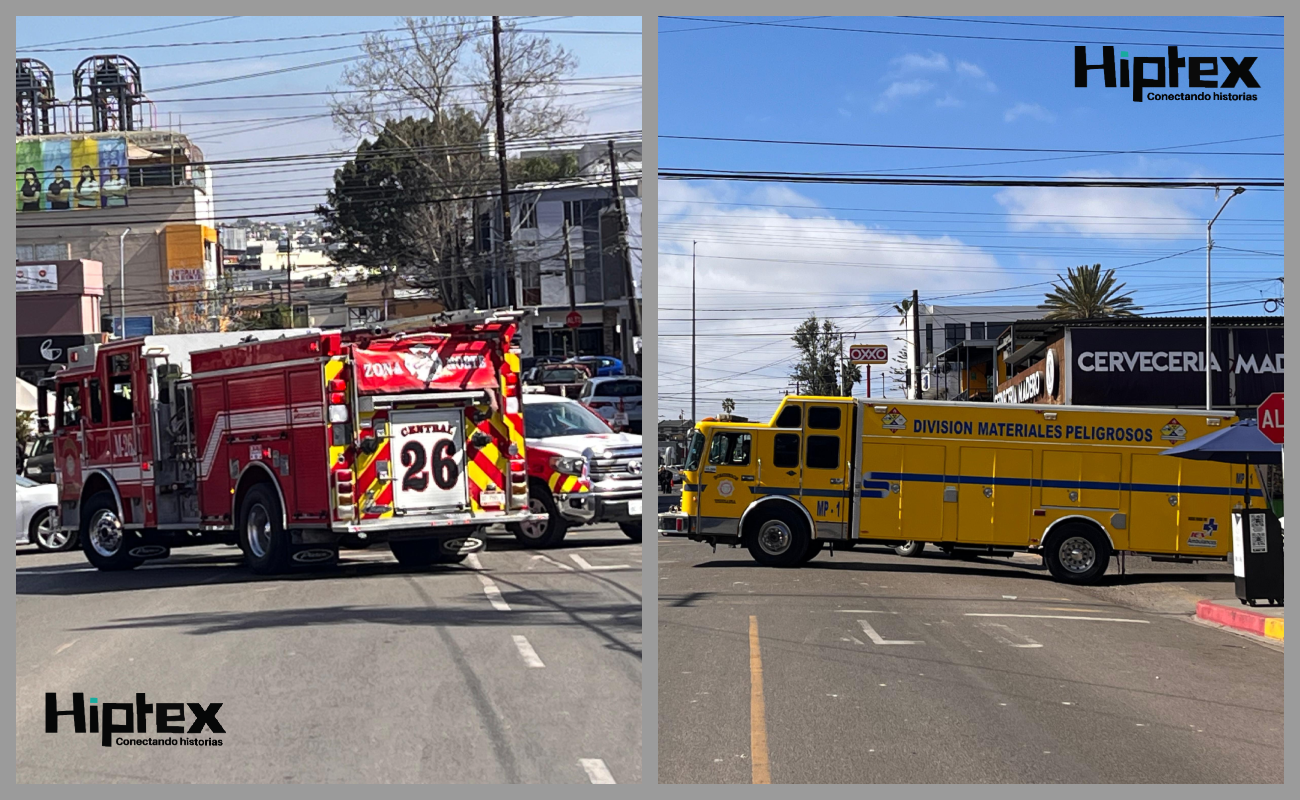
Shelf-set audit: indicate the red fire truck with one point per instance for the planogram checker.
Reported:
(286, 443)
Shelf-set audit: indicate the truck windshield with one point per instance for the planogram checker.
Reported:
(694, 451)
(544, 420)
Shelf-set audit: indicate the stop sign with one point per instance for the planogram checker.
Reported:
(1270, 417)
(573, 320)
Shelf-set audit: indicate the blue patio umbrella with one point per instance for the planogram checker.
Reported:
(1239, 443)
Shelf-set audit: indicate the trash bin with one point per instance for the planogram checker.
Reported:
(1257, 556)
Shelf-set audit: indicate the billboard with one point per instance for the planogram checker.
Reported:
(68, 174)
(191, 256)
(37, 278)
(1165, 366)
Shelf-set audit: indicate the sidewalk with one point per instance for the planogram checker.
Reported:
(1263, 620)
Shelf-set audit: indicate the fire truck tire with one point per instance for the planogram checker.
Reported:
(1077, 553)
(103, 539)
(910, 549)
(631, 530)
(422, 553)
(813, 549)
(540, 535)
(778, 538)
(262, 536)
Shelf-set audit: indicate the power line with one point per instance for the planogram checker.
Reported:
(808, 143)
(33, 47)
(690, 174)
(1092, 27)
(828, 28)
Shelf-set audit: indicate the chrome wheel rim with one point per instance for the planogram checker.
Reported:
(258, 530)
(106, 533)
(48, 532)
(534, 529)
(774, 537)
(1077, 554)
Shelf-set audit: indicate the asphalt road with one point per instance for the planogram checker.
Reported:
(871, 668)
(523, 668)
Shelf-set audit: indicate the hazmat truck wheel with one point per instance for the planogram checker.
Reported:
(778, 539)
(813, 549)
(910, 549)
(1077, 553)
(423, 553)
(262, 536)
(103, 539)
(631, 530)
(546, 533)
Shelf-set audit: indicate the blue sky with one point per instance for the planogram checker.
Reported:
(260, 127)
(771, 253)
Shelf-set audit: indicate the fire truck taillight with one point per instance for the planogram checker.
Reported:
(338, 385)
(338, 412)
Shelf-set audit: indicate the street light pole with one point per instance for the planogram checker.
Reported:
(1209, 245)
(693, 417)
(121, 282)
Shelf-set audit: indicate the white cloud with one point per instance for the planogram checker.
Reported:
(775, 266)
(969, 69)
(1098, 212)
(912, 63)
(900, 89)
(974, 75)
(1031, 110)
(948, 101)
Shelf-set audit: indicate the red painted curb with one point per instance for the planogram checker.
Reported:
(1241, 619)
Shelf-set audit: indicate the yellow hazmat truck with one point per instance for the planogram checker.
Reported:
(1077, 484)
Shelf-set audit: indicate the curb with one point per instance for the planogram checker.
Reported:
(1241, 619)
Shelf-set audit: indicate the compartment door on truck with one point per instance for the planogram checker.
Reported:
(825, 490)
(902, 492)
(428, 447)
(993, 495)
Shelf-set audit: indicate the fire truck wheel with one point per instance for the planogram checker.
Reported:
(778, 538)
(1077, 553)
(422, 553)
(631, 530)
(262, 536)
(910, 549)
(813, 549)
(550, 531)
(103, 539)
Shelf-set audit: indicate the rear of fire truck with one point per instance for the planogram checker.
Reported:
(426, 441)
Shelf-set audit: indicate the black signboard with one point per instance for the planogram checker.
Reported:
(1164, 367)
(44, 350)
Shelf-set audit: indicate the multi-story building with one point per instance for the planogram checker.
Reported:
(956, 347)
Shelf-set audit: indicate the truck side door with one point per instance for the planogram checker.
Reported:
(727, 470)
(825, 489)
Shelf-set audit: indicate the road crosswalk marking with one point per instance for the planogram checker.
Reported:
(596, 770)
(878, 639)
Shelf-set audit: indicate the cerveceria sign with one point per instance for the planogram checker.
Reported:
(1160, 72)
(1166, 366)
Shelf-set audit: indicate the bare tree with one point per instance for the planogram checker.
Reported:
(439, 71)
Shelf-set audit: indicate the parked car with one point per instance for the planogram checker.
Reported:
(616, 399)
(562, 380)
(38, 516)
(579, 472)
(602, 366)
(39, 464)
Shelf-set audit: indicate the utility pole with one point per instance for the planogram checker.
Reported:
(510, 267)
(693, 417)
(1209, 245)
(634, 314)
(288, 271)
(121, 265)
(568, 280)
(916, 356)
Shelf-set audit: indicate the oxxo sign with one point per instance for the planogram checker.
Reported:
(869, 353)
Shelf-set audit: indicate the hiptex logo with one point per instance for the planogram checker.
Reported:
(1150, 73)
(133, 718)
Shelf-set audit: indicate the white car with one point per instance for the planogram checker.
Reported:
(38, 517)
(617, 399)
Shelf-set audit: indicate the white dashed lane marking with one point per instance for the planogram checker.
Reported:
(582, 562)
(1006, 633)
(596, 770)
(1061, 616)
(878, 639)
(527, 652)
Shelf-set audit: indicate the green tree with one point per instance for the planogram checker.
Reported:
(728, 406)
(821, 370)
(1085, 293)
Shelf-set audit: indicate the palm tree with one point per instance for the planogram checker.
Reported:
(1085, 293)
(728, 406)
